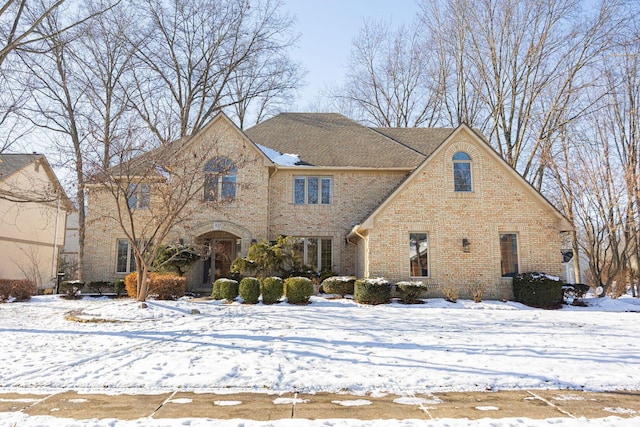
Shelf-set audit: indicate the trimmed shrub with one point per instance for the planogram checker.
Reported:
(162, 286)
(98, 286)
(118, 286)
(410, 292)
(372, 291)
(249, 290)
(298, 290)
(227, 289)
(538, 290)
(70, 289)
(342, 285)
(167, 286)
(19, 290)
(272, 290)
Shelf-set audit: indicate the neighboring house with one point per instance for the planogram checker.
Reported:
(433, 205)
(33, 213)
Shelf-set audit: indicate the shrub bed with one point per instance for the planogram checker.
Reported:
(162, 286)
(249, 290)
(71, 289)
(410, 292)
(272, 289)
(226, 289)
(372, 291)
(538, 290)
(342, 285)
(298, 290)
(99, 286)
(19, 290)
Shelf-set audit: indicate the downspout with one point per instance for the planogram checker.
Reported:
(356, 231)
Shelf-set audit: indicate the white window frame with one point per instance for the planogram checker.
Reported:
(130, 262)
(323, 199)
(319, 259)
(468, 161)
(138, 196)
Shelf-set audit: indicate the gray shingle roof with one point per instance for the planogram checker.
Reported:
(331, 139)
(11, 163)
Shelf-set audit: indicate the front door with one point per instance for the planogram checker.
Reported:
(218, 264)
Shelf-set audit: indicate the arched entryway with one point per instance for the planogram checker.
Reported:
(219, 249)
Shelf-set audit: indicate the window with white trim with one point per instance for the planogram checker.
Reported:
(462, 172)
(220, 180)
(419, 254)
(125, 260)
(315, 252)
(138, 196)
(312, 190)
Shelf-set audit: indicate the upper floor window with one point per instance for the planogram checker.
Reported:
(312, 190)
(462, 172)
(139, 196)
(220, 180)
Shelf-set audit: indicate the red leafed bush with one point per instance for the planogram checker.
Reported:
(19, 290)
(162, 286)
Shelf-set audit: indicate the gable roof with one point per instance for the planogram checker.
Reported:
(12, 163)
(563, 223)
(146, 163)
(333, 140)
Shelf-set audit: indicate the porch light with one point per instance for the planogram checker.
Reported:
(466, 245)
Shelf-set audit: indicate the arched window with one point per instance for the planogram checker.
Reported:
(220, 180)
(462, 172)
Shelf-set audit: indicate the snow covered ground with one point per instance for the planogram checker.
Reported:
(329, 345)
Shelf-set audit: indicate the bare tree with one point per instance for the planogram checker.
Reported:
(198, 54)
(150, 196)
(392, 81)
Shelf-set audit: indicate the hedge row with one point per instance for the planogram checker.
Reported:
(298, 290)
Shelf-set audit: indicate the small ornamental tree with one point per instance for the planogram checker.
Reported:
(265, 259)
(176, 258)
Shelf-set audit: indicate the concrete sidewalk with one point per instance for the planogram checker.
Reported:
(535, 404)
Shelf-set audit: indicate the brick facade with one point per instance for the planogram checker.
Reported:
(387, 204)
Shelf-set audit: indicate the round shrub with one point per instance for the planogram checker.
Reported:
(538, 290)
(249, 290)
(298, 290)
(338, 285)
(162, 286)
(372, 291)
(410, 292)
(225, 289)
(167, 286)
(272, 290)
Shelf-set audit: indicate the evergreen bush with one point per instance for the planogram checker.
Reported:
(410, 292)
(272, 290)
(372, 291)
(298, 290)
(538, 290)
(228, 289)
(342, 285)
(249, 290)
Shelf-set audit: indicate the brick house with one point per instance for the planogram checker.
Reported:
(435, 205)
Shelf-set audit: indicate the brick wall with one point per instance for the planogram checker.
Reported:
(499, 203)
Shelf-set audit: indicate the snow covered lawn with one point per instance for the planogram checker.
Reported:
(329, 345)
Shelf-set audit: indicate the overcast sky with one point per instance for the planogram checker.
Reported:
(326, 29)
